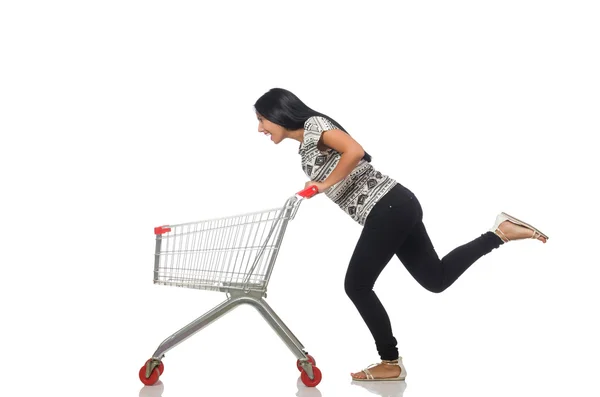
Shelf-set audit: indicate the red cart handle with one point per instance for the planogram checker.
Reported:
(309, 191)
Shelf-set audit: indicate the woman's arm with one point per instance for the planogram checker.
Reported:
(351, 151)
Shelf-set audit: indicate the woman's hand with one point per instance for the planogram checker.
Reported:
(321, 187)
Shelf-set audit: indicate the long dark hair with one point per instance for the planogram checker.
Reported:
(282, 107)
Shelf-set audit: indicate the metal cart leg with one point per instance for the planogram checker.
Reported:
(270, 316)
(195, 326)
(284, 333)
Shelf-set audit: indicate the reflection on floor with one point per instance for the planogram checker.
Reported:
(383, 388)
(380, 388)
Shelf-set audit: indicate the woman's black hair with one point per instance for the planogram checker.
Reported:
(282, 107)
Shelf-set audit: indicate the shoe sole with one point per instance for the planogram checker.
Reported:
(380, 380)
(527, 225)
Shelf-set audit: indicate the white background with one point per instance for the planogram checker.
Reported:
(119, 116)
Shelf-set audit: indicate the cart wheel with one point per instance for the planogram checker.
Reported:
(307, 381)
(311, 360)
(153, 376)
(161, 367)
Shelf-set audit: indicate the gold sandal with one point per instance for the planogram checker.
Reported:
(371, 378)
(505, 217)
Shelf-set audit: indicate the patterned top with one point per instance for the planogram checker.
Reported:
(356, 194)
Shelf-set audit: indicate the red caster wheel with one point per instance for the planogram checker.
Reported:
(153, 376)
(311, 382)
(311, 360)
(161, 367)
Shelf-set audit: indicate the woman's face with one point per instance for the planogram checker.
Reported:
(275, 131)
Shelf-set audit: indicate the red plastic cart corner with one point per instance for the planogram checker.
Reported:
(162, 229)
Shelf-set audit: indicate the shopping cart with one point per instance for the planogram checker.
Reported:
(234, 255)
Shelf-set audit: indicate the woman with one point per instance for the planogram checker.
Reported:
(390, 214)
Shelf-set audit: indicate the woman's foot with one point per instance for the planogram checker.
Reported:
(509, 231)
(384, 370)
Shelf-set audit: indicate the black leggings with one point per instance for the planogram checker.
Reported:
(395, 226)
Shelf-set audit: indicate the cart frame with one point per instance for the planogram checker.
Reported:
(251, 289)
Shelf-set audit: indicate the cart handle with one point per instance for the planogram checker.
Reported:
(308, 192)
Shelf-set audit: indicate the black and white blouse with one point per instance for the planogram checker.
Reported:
(356, 194)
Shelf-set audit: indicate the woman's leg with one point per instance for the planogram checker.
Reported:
(385, 229)
(421, 260)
